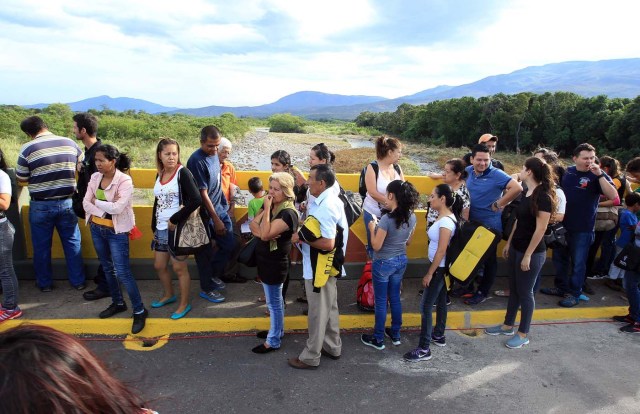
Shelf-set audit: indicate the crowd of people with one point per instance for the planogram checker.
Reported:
(305, 214)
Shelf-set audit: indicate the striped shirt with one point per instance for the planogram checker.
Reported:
(48, 163)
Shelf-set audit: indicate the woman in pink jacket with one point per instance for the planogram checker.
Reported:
(108, 207)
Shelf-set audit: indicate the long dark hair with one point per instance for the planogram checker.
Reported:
(451, 199)
(3, 162)
(123, 162)
(542, 174)
(407, 197)
(323, 153)
(48, 371)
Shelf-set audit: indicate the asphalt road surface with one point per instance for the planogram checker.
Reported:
(567, 368)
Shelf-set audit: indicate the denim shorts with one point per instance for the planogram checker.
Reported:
(160, 242)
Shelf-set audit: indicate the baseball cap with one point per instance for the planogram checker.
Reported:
(487, 137)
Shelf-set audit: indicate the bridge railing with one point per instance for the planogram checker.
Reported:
(140, 249)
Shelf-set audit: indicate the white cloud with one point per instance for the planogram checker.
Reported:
(250, 52)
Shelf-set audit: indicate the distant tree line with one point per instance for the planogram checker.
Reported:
(522, 122)
(130, 126)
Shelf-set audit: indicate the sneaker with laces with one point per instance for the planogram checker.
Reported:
(498, 330)
(394, 339)
(369, 340)
(569, 301)
(439, 340)
(112, 310)
(623, 319)
(213, 296)
(476, 299)
(418, 354)
(631, 328)
(554, 291)
(7, 314)
(218, 284)
(516, 342)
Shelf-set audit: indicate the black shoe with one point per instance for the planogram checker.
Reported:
(112, 310)
(623, 319)
(234, 279)
(588, 289)
(46, 289)
(94, 295)
(139, 320)
(261, 349)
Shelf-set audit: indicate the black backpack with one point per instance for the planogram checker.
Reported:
(466, 234)
(352, 205)
(362, 186)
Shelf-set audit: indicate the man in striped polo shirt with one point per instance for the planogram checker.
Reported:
(48, 164)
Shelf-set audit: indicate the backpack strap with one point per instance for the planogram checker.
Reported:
(376, 168)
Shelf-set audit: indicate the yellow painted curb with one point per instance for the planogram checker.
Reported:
(158, 328)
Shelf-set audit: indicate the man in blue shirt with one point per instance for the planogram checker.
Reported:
(491, 189)
(205, 167)
(582, 184)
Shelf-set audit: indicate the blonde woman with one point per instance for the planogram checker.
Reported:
(176, 197)
(274, 226)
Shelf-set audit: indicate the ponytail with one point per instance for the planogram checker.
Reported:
(407, 198)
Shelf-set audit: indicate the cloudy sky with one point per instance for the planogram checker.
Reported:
(194, 53)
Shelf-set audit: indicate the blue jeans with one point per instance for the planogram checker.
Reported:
(606, 241)
(387, 277)
(631, 282)
(571, 262)
(8, 279)
(113, 251)
(367, 217)
(44, 216)
(273, 296)
(435, 293)
(210, 263)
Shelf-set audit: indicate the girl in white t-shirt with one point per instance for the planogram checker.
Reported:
(176, 197)
(448, 205)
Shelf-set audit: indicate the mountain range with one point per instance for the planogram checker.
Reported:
(614, 78)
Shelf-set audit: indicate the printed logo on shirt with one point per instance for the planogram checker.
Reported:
(584, 182)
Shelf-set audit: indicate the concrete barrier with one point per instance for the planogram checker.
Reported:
(141, 252)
